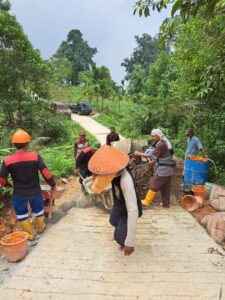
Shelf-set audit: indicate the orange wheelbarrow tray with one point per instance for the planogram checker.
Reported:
(48, 197)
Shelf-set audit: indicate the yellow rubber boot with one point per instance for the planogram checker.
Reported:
(148, 198)
(41, 224)
(27, 226)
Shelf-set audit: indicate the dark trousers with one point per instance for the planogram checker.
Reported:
(84, 172)
(162, 184)
(119, 221)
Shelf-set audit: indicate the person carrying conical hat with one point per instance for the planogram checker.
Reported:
(108, 165)
(23, 166)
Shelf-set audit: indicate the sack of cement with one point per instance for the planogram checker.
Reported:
(215, 225)
(217, 198)
(123, 145)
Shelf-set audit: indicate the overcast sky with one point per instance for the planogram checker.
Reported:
(108, 25)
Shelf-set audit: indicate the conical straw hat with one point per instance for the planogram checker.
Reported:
(108, 160)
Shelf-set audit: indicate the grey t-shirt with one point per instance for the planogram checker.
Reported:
(161, 152)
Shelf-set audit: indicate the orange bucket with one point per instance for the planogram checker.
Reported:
(15, 246)
(199, 190)
(189, 203)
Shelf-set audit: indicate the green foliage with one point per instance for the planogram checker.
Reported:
(59, 156)
(186, 8)
(77, 51)
(5, 5)
(24, 75)
(62, 70)
(144, 54)
(97, 82)
(181, 89)
(54, 127)
(59, 159)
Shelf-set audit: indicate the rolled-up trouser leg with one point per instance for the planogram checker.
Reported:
(162, 183)
(165, 192)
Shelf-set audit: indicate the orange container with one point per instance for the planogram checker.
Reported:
(15, 246)
(198, 158)
(189, 203)
(199, 190)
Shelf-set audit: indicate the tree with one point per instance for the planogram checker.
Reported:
(24, 75)
(62, 70)
(87, 83)
(137, 82)
(155, 74)
(5, 5)
(77, 51)
(186, 8)
(97, 82)
(144, 54)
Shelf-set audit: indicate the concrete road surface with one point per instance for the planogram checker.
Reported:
(77, 259)
(93, 127)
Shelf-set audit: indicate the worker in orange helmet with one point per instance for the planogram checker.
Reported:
(23, 166)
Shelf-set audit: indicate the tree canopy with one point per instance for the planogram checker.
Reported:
(144, 54)
(186, 8)
(186, 87)
(5, 5)
(24, 75)
(77, 51)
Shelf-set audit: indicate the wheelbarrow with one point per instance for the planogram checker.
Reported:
(49, 197)
(105, 198)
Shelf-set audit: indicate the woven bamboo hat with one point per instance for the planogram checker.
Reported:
(105, 164)
(108, 160)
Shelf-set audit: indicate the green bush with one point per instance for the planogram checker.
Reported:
(55, 128)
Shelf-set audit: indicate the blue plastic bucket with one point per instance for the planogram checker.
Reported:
(196, 172)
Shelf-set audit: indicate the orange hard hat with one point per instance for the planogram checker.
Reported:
(21, 137)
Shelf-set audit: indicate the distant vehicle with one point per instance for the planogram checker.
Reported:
(62, 108)
(80, 108)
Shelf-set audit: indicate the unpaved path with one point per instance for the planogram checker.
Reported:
(77, 259)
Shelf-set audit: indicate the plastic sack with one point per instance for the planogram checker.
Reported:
(215, 225)
(217, 198)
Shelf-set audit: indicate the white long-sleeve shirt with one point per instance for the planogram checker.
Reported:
(127, 186)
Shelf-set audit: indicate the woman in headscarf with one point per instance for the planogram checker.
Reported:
(162, 137)
(164, 166)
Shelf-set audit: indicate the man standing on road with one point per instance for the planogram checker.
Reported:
(164, 167)
(108, 165)
(80, 144)
(23, 166)
(193, 144)
(112, 136)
